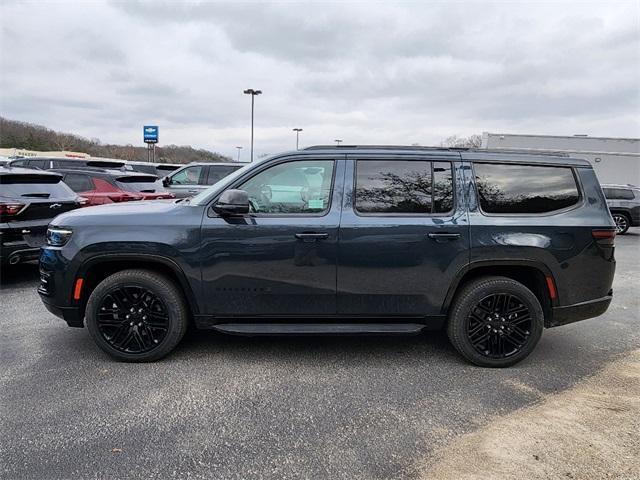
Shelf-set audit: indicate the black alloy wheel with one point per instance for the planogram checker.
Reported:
(132, 319)
(137, 315)
(495, 321)
(499, 325)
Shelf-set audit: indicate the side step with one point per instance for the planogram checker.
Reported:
(251, 329)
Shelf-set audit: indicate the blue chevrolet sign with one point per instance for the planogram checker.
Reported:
(150, 133)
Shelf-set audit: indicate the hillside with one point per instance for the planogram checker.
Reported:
(14, 134)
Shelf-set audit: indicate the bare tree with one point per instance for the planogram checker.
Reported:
(454, 141)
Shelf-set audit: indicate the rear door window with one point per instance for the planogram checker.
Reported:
(403, 187)
(525, 189)
(218, 172)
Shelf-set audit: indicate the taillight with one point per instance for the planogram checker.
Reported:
(604, 236)
(10, 209)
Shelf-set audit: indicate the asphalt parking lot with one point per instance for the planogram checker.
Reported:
(233, 407)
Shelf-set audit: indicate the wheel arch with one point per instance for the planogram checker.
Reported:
(531, 274)
(98, 268)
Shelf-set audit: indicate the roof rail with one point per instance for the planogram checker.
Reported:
(448, 149)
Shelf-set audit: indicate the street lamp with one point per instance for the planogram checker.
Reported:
(297, 130)
(338, 141)
(253, 93)
(239, 148)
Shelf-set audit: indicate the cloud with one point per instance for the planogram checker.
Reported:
(367, 73)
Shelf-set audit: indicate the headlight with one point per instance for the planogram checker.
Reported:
(57, 237)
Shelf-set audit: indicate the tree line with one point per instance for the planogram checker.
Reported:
(28, 136)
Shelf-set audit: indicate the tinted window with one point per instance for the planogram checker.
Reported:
(19, 163)
(218, 172)
(392, 186)
(618, 194)
(140, 183)
(34, 186)
(144, 168)
(68, 164)
(525, 188)
(188, 176)
(78, 182)
(294, 187)
(41, 164)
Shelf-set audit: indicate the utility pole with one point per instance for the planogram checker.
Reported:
(253, 93)
(338, 141)
(297, 130)
(239, 148)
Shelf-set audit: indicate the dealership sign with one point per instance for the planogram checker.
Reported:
(150, 133)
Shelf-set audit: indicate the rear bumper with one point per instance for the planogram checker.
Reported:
(579, 311)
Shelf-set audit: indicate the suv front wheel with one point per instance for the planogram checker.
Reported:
(495, 322)
(137, 315)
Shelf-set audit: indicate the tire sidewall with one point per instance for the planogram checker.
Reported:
(159, 286)
(470, 297)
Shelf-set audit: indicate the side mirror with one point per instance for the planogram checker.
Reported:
(166, 181)
(232, 202)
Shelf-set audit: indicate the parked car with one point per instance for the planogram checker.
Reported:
(159, 169)
(624, 203)
(28, 202)
(345, 240)
(101, 186)
(193, 178)
(47, 163)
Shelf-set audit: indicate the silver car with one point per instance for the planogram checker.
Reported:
(195, 177)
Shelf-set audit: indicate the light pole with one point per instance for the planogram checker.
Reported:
(239, 148)
(338, 141)
(297, 130)
(253, 93)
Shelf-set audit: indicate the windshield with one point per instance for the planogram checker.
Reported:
(139, 183)
(203, 197)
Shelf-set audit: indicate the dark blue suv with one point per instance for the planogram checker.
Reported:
(492, 247)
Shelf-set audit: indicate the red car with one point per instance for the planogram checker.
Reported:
(101, 186)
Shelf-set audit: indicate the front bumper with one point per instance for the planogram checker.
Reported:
(579, 311)
(71, 315)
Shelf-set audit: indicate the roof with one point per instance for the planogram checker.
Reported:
(473, 155)
(103, 172)
(8, 170)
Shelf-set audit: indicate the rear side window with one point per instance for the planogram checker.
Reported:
(525, 189)
(618, 194)
(78, 182)
(403, 187)
(41, 164)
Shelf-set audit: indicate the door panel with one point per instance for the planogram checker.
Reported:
(393, 264)
(272, 264)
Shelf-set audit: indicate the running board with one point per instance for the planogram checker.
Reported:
(251, 329)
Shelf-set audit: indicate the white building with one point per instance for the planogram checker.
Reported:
(615, 160)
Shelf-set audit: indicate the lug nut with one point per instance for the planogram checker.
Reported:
(144, 317)
(127, 316)
(131, 324)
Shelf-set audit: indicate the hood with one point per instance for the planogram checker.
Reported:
(149, 212)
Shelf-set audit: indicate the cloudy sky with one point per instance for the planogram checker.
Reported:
(397, 73)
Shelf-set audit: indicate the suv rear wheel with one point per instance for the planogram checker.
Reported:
(622, 223)
(495, 322)
(137, 315)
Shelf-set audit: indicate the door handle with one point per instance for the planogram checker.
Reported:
(444, 236)
(310, 237)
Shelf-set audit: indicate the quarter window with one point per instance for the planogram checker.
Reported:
(300, 187)
(618, 194)
(403, 187)
(78, 182)
(525, 188)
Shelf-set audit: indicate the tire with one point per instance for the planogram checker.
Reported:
(487, 336)
(137, 315)
(622, 223)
